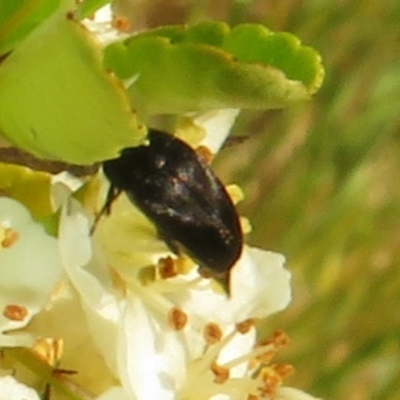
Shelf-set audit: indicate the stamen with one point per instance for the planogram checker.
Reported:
(167, 267)
(10, 237)
(221, 373)
(199, 370)
(245, 326)
(212, 333)
(49, 350)
(184, 264)
(273, 377)
(15, 312)
(205, 154)
(279, 339)
(147, 275)
(284, 370)
(262, 379)
(152, 290)
(177, 319)
(245, 225)
(121, 23)
(235, 192)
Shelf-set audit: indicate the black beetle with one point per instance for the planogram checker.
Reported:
(181, 195)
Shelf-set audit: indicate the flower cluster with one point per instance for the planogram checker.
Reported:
(161, 330)
(128, 318)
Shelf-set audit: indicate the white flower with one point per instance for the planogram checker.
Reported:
(164, 338)
(30, 269)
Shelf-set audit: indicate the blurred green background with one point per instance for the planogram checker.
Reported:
(322, 184)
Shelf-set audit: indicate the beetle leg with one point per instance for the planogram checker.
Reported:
(112, 195)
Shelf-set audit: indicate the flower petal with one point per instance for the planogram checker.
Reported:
(91, 278)
(151, 354)
(287, 393)
(260, 286)
(217, 124)
(30, 266)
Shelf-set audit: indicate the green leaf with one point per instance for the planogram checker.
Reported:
(255, 44)
(57, 102)
(89, 7)
(179, 69)
(19, 17)
(32, 188)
